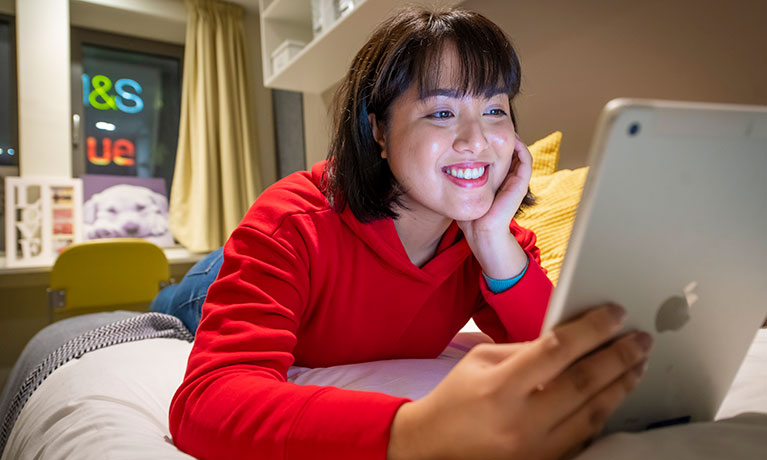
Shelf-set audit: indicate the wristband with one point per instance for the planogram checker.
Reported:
(498, 286)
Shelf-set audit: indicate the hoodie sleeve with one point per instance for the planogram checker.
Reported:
(234, 401)
(516, 314)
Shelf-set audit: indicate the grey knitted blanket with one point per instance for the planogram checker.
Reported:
(71, 339)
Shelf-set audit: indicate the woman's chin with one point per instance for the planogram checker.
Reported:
(471, 213)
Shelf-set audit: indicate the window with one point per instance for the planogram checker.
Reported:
(126, 105)
(8, 129)
(9, 150)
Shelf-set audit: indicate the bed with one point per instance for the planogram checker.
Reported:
(111, 400)
(99, 386)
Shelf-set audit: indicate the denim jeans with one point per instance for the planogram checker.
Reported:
(184, 300)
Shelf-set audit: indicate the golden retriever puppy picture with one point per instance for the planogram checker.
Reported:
(131, 211)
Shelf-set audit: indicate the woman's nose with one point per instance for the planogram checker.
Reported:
(470, 138)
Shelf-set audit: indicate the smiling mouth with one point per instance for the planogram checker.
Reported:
(465, 176)
(466, 173)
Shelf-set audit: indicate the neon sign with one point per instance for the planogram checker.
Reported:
(99, 98)
(121, 152)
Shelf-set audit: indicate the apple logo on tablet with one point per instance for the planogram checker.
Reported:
(675, 311)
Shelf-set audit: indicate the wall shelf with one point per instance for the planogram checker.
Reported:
(325, 59)
(298, 11)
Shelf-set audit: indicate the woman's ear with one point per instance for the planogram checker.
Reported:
(378, 133)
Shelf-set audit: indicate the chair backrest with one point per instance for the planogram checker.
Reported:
(106, 273)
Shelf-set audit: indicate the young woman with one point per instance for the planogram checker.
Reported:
(385, 251)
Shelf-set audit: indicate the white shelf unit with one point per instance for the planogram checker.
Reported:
(325, 59)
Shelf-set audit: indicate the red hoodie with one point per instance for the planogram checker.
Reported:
(301, 284)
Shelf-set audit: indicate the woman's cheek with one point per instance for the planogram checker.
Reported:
(503, 140)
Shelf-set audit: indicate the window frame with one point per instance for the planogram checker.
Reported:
(7, 170)
(81, 36)
(10, 170)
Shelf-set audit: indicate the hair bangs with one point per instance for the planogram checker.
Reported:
(487, 66)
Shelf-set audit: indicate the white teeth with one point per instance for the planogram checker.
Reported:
(471, 173)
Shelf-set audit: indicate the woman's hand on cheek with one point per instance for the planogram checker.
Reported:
(489, 237)
(543, 399)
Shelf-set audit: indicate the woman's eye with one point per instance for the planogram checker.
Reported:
(442, 114)
(496, 112)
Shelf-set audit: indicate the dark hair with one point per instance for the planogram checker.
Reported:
(406, 49)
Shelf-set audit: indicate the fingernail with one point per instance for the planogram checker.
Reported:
(618, 313)
(640, 368)
(644, 340)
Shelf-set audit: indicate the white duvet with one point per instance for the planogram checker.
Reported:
(113, 404)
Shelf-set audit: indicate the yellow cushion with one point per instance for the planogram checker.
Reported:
(557, 194)
(551, 218)
(545, 154)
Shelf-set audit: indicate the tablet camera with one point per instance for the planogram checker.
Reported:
(633, 129)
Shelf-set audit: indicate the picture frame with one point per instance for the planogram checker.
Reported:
(43, 217)
(126, 207)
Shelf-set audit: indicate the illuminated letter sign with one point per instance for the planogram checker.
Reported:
(100, 99)
(93, 155)
(120, 87)
(122, 152)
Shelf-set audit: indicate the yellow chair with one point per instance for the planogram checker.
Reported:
(106, 274)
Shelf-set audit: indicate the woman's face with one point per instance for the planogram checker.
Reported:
(449, 153)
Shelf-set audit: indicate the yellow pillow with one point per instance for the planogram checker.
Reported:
(545, 154)
(557, 195)
(551, 218)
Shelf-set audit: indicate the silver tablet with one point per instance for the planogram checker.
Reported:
(672, 225)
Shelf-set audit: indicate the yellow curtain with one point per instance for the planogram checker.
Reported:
(217, 176)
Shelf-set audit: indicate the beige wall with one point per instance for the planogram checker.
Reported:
(261, 102)
(163, 20)
(577, 55)
(44, 116)
(7, 6)
(317, 125)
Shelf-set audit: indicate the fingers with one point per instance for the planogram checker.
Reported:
(492, 353)
(520, 170)
(581, 381)
(524, 158)
(556, 350)
(523, 153)
(588, 421)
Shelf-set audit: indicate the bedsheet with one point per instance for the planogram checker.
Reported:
(112, 403)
